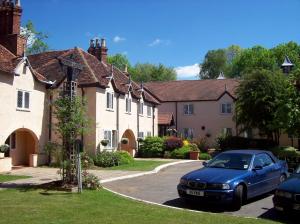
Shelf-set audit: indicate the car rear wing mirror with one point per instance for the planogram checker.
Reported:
(258, 168)
(204, 163)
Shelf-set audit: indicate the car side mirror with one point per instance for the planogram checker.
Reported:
(258, 168)
(204, 163)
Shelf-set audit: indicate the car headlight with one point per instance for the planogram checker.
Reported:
(219, 186)
(183, 181)
(283, 194)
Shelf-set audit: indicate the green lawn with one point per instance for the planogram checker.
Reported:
(38, 206)
(138, 165)
(4, 178)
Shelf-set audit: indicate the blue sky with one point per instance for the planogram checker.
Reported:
(176, 33)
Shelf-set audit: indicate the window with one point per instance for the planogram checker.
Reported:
(110, 101)
(141, 108)
(128, 105)
(111, 136)
(188, 109)
(149, 134)
(227, 131)
(149, 111)
(226, 108)
(262, 160)
(141, 135)
(23, 99)
(188, 133)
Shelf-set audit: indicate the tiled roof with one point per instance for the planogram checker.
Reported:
(165, 118)
(94, 72)
(8, 63)
(193, 90)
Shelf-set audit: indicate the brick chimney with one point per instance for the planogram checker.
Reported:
(10, 24)
(99, 50)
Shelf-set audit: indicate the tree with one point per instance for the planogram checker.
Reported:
(251, 59)
(120, 61)
(214, 63)
(149, 72)
(264, 102)
(35, 40)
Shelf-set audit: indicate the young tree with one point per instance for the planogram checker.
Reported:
(36, 41)
(264, 102)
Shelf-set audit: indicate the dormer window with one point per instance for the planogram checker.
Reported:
(149, 111)
(188, 109)
(23, 100)
(141, 108)
(226, 108)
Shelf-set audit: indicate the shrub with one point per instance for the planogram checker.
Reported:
(90, 181)
(124, 157)
(172, 143)
(106, 159)
(185, 142)
(151, 147)
(181, 153)
(54, 151)
(194, 147)
(204, 156)
(167, 154)
(86, 161)
(202, 144)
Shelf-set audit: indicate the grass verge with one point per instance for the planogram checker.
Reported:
(5, 177)
(38, 206)
(138, 165)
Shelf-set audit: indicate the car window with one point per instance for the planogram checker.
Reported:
(262, 160)
(231, 161)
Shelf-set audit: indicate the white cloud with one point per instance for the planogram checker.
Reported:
(158, 41)
(187, 72)
(118, 39)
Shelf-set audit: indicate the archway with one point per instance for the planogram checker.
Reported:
(23, 144)
(131, 145)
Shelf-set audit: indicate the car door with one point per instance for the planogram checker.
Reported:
(272, 171)
(258, 179)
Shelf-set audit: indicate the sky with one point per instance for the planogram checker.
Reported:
(176, 33)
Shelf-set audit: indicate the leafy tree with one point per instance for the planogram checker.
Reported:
(150, 72)
(120, 61)
(251, 59)
(214, 63)
(291, 49)
(35, 40)
(264, 102)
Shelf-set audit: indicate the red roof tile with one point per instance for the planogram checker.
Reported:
(192, 90)
(94, 72)
(165, 118)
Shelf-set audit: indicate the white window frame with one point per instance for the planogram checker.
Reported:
(227, 131)
(188, 109)
(128, 103)
(23, 107)
(111, 137)
(227, 108)
(141, 135)
(141, 108)
(149, 111)
(110, 101)
(190, 133)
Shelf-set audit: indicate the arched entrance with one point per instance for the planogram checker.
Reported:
(23, 145)
(131, 145)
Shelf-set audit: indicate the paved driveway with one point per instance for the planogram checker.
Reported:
(161, 188)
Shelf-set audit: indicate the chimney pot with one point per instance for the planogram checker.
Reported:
(103, 43)
(97, 43)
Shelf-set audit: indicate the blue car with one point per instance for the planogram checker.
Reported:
(233, 177)
(287, 195)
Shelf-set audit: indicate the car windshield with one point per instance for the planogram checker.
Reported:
(237, 161)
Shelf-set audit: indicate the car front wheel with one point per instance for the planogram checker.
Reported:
(238, 197)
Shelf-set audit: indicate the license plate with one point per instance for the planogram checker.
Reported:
(279, 208)
(195, 193)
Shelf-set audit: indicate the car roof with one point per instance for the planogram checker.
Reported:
(248, 151)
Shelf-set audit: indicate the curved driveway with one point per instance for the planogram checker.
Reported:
(161, 188)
